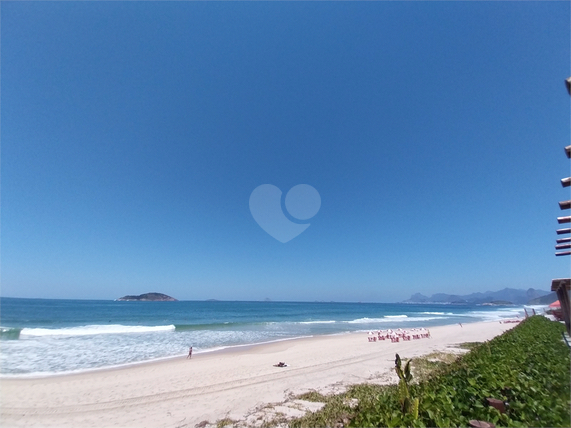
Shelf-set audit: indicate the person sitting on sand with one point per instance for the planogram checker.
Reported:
(280, 364)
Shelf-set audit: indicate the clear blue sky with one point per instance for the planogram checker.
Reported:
(133, 134)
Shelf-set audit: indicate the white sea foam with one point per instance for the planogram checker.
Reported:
(495, 315)
(392, 319)
(538, 308)
(89, 330)
(366, 320)
(437, 313)
(317, 322)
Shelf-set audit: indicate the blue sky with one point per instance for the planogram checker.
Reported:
(133, 134)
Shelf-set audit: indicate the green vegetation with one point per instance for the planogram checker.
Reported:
(277, 420)
(409, 405)
(312, 396)
(469, 345)
(422, 367)
(224, 422)
(527, 368)
(337, 411)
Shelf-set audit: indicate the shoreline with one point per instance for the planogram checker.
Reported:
(216, 349)
(231, 382)
(223, 349)
(40, 350)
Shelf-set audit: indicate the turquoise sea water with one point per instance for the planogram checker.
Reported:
(42, 337)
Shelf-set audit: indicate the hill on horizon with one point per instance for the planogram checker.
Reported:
(147, 297)
(512, 295)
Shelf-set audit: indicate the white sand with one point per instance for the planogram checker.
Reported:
(212, 386)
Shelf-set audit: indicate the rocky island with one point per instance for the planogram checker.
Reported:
(148, 297)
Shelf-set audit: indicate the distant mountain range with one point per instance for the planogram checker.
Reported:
(544, 300)
(507, 295)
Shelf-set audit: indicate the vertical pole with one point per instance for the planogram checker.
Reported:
(563, 296)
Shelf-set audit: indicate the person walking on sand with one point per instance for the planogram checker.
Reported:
(189, 353)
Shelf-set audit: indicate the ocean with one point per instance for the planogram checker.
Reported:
(40, 337)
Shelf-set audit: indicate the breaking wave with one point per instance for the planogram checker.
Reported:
(90, 330)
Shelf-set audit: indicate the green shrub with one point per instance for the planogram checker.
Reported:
(526, 367)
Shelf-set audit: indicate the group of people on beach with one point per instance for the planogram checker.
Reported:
(398, 334)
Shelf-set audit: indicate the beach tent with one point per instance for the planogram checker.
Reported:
(555, 304)
(555, 310)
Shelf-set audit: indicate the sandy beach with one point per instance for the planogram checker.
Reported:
(235, 383)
